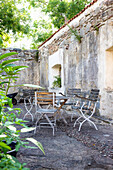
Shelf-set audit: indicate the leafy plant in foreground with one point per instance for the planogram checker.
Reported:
(8, 116)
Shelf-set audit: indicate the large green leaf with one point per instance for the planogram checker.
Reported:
(37, 144)
(32, 85)
(7, 55)
(8, 123)
(4, 82)
(7, 77)
(12, 77)
(4, 145)
(18, 67)
(9, 61)
(9, 65)
(12, 128)
(2, 89)
(12, 73)
(27, 129)
(3, 136)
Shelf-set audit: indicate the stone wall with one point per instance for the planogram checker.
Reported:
(84, 63)
(26, 58)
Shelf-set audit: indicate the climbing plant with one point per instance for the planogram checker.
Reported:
(77, 36)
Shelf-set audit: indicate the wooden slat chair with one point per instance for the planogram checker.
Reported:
(29, 100)
(87, 108)
(45, 108)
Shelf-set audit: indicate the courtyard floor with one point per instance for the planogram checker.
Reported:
(69, 149)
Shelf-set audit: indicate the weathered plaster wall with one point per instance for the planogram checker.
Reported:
(84, 63)
(27, 58)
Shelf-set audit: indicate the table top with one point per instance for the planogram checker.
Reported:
(62, 97)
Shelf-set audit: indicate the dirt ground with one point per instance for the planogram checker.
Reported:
(69, 149)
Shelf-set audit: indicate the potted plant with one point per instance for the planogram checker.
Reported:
(57, 82)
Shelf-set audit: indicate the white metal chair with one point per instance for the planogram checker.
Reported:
(28, 103)
(87, 108)
(45, 108)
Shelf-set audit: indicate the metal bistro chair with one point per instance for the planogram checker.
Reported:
(71, 94)
(28, 102)
(87, 108)
(45, 108)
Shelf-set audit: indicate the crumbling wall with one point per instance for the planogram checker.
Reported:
(84, 62)
(28, 58)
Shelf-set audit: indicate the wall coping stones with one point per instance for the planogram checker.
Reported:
(24, 54)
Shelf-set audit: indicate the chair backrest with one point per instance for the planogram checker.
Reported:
(73, 91)
(91, 99)
(94, 97)
(45, 98)
(94, 94)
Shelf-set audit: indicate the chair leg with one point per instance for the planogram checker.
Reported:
(28, 113)
(28, 110)
(77, 120)
(85, 119)
(61, 115)
(93, 124)
(81, 125)
(51, 124)
(38, 119)
(72, 117)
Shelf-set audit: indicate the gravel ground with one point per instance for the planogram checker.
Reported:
(70, 149)
(101, 140)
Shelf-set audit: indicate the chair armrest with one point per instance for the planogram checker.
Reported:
(62, 94)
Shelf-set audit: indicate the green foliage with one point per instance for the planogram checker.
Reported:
(14, 18)
(58, 10)
(9, 163)
(41, 30)
(8, 72)
(57, 81)
(96, 28)
(8, 117)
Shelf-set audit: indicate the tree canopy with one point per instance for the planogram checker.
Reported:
(15, 18)
(40, 31)
(61, 10)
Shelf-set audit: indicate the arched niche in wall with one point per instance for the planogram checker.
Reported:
(56, 72)
(56, 68)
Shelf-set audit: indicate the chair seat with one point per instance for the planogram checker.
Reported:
(78, 107)
(70, 103)
(46, 110)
